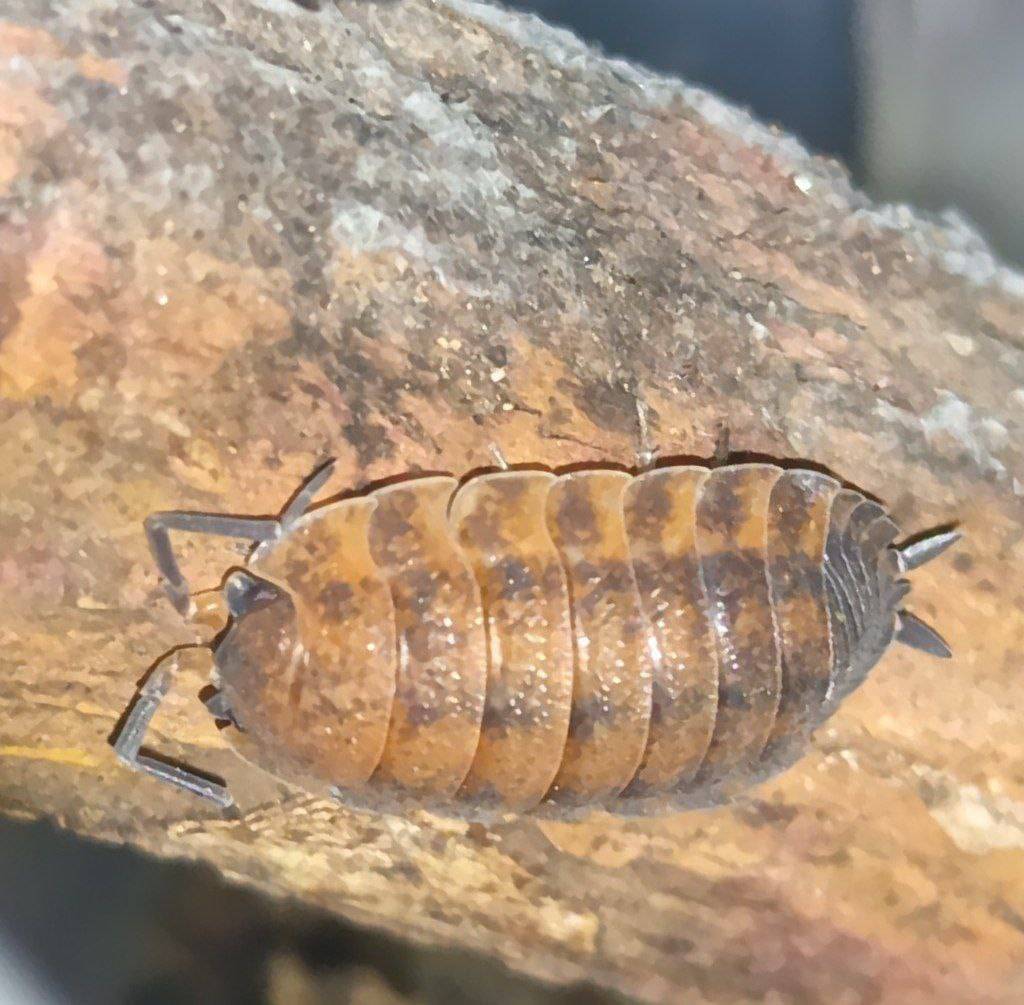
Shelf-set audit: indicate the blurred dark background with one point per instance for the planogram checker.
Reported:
(789, 62)
(86, 924)
(920, 99)
(922, 102)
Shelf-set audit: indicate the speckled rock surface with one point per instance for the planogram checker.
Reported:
(236, 237)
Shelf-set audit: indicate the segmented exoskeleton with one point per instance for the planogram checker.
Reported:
(527, 640)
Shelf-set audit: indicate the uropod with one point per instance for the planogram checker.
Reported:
(527, 640)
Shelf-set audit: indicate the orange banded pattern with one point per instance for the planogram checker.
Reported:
(530, 640)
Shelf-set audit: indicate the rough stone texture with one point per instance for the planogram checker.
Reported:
(236, 237)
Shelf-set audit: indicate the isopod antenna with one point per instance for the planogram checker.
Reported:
(258, 530)
(911, 630)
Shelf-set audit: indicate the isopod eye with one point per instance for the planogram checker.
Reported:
(245, 592)
(216, 702)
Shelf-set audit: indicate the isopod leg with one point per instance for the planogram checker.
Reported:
(128, 744)
(159, 526)
(647, 453)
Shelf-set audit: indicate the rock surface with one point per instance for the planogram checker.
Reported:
(237, 237)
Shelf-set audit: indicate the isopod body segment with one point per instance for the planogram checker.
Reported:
(526, 640)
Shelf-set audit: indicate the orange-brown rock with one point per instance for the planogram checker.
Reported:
(237, 236)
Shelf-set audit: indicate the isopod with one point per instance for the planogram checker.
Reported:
(526, 640)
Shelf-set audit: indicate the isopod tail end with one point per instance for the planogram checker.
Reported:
(916, 634)
(918, 552)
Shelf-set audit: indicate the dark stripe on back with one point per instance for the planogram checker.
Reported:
(732, 519)
(799, 514)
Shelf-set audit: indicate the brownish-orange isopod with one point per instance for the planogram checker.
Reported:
(530, 640)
